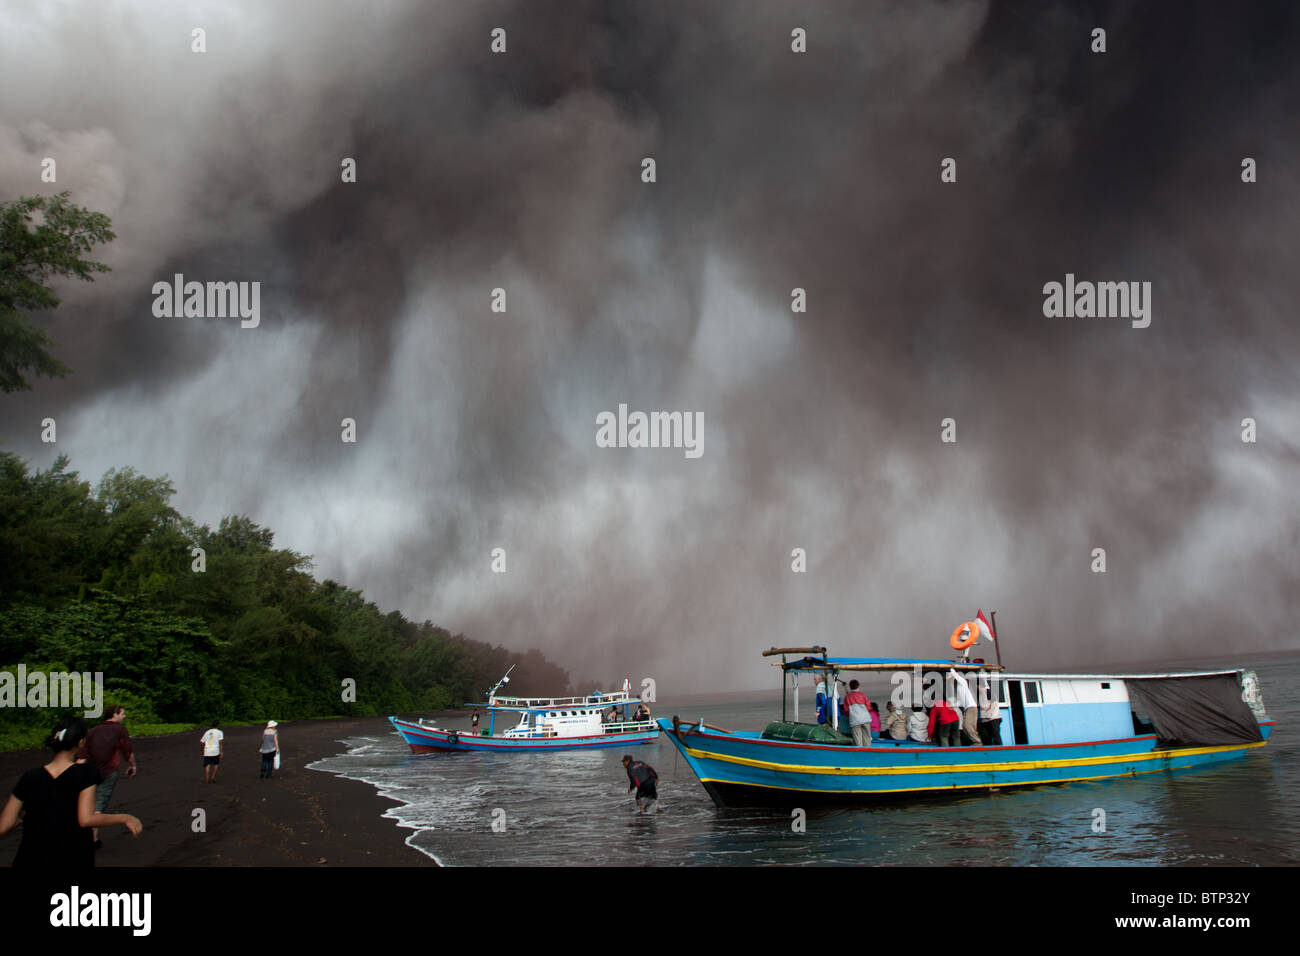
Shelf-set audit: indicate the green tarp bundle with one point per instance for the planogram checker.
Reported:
(804, 733)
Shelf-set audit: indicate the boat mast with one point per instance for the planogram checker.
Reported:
(785, 686)
(997, 645)
(833, 717)
(505, 679)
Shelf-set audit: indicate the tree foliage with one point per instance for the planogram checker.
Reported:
(30, 257)
(103, 580)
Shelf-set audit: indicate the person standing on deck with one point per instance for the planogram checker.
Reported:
(858, 707)
(473, 724)
(641, 778)
(270, 748)
(964, 701)
(943, 724)
(821, 699)
(990, 714)
(104, 746)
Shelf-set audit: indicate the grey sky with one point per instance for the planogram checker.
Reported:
(776, 170)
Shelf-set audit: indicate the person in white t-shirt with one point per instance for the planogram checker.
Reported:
(918, 726)
(967, 707)
(213, 748)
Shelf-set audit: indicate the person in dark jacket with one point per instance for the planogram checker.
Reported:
(642, 778)
(57, 806)
(105, 746)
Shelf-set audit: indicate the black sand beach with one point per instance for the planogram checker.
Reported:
(300, 817)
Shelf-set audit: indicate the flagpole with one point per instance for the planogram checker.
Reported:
(997, 645)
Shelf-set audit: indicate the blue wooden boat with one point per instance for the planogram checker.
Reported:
(1056, 728)
(541, 723)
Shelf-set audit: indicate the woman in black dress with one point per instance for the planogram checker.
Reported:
(57, 803)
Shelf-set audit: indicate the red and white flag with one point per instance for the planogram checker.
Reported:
(986, 630)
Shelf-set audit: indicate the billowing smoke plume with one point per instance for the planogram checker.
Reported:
(775, 170)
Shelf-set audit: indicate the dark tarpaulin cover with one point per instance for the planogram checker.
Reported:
(1195, 711)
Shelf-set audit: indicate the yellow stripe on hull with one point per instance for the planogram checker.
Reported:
(954, 786)
(1166, 755)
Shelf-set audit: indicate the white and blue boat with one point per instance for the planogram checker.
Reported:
(1055, 728)
(542, 723)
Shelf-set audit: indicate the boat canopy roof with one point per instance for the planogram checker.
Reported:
(1163, 676)
(815, 660)
(877, 663)
(591, 701)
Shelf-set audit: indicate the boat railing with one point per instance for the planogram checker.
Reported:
(620, 727)
(628, 726)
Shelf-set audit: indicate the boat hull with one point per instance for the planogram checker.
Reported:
(743, 769)
(422, 739)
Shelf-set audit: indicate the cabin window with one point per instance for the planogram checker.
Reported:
(1105, 685)
(1031, 692)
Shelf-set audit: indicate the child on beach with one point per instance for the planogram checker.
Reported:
(57, 804)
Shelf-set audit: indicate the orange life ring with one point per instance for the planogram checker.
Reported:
(973, 635)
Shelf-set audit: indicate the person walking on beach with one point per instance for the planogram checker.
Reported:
(641, 778)
(270, 749)
(57, 805)
(105, 746)
(213, 748)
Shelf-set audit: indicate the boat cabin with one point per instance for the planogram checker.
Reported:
(594, 715)
(1199, 708)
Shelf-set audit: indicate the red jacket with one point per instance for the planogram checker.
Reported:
(854, 697)
(104, 744)
(943, 714)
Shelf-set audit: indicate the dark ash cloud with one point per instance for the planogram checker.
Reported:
(775, 170)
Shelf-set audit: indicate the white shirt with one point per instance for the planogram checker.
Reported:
(212, 743)
(964, 697)
(918, 726)
(989, 707)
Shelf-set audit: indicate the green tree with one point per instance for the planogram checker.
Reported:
(29, 258)
(101, 579)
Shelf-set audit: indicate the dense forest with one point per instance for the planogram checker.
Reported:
(106, 579)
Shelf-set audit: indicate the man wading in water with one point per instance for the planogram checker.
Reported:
(642, 778)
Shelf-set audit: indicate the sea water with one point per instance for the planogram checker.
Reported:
(572, 807)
